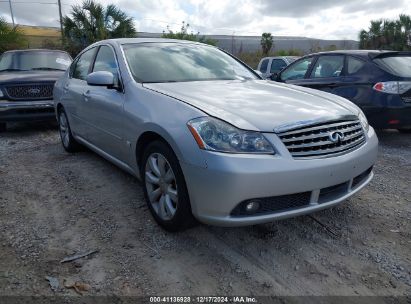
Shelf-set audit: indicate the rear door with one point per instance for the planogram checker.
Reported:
(356, 85)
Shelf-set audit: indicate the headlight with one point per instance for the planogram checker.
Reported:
(216, 135)
(1, 94)
(363, 121)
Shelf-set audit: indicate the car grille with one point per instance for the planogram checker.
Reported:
(323, 140)
(30, 91)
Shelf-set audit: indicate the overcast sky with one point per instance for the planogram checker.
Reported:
(327, 19)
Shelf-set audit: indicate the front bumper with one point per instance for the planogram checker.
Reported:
(26, 110)
(230, 179)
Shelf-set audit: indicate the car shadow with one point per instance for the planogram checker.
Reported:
(394, 138)
(27, 128)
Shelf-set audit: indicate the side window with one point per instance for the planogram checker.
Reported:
(82, 66)
(297, 70)
(106, 61)
(263, 66)
(354, 65)
(328, 66)
(277, 65)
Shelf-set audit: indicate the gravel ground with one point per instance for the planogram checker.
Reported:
(53, 205)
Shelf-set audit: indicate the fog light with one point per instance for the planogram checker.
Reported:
(252, 206)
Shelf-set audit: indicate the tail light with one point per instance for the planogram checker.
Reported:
(393, 87)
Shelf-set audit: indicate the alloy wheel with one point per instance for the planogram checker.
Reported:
(64, 129)
(161, 186)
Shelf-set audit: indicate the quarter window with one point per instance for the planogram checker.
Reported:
(328, 66)
(264, 65)
(354, 65)
(297, 70)
(83, 65)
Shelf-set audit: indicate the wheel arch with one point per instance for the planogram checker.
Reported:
(59, 107)
(153, 134)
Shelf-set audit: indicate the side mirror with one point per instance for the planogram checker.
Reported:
(275, 76)
(259, 73)
(101, 78)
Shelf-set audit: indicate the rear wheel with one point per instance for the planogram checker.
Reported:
(165, 189)
(67, 139)
(3, 127)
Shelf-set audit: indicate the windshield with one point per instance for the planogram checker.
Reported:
(396, 65)
(34, 60)
(175, 62)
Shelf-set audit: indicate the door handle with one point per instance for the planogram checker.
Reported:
(332, 85)
(86, 95)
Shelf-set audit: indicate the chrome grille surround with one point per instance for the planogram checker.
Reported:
(30, 91)
(316, 141)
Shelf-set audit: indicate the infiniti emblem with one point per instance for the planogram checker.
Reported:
(33, 91)
(336, 137)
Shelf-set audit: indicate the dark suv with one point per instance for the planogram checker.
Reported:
(377, 81)
(27, 79)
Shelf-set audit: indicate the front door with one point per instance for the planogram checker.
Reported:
(104, 107)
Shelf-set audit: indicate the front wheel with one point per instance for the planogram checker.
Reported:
(405, 130)
(165, 189)
(67, 139)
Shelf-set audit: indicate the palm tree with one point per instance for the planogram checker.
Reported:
(91, 22)
(363, 39)
(266, 42)
(388, 34)
(10, 38)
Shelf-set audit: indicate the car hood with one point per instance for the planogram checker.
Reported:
(259, 105)
(12, 77)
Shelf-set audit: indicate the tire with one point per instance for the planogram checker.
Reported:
(165, 189)
(67, 139)
(408, 131)
(3, 127)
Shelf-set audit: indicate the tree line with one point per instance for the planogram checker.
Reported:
(387, 34)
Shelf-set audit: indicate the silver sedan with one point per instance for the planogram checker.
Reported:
(210, 140)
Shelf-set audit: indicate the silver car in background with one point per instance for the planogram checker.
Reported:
(208, 137)
(269, 66)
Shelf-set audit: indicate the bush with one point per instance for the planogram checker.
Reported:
(10, 38)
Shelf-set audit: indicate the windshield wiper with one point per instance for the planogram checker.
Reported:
(47, 69)
(12, 70)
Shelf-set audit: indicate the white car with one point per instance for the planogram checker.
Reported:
(209, 138)
(273, 65)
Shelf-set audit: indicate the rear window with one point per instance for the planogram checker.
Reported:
(396, 65)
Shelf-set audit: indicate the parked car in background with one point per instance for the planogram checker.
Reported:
(27, 79)
(379, 82)
(273, 65)
(209, 138)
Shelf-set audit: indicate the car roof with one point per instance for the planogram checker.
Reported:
(120, 41)
(368, 54)
(277, 57)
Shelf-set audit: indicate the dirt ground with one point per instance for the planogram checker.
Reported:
(53, 205)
